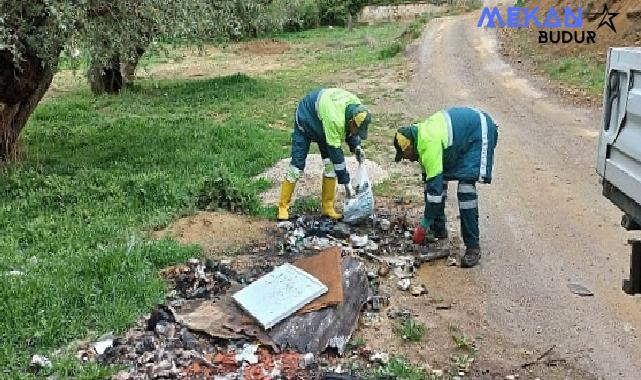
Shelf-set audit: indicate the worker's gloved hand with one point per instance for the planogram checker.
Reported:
(419, 235)
(360, 154)
(349, 190)
(423, 177)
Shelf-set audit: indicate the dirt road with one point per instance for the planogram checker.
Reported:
(544, 223)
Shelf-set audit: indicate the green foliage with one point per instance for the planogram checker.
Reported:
(411, 330)
(305, 206)
(416, 26)
(390, 51)
(577, 71)
(356, 343)
(222, 190)
(461, 340)
(400, 368)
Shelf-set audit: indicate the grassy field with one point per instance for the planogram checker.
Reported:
(97, 172)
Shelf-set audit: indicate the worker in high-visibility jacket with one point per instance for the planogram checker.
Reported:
(327, 116)
(455, 144)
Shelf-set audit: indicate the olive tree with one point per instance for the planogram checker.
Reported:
(34, 33)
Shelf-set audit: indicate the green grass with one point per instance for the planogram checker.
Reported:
(400, 368)
(390, 51)
(98, 172)
(578, 72)
(411, 330)
(582, 72)
(356, 343)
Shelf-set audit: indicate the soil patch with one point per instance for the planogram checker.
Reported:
(218, 232)
(265, 47)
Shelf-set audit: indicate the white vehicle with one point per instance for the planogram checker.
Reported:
(619, 151)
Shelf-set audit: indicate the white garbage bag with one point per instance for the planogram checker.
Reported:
(361, 206)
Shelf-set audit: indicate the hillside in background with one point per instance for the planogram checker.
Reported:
(627, 23)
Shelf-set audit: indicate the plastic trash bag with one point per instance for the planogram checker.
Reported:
(361, 206)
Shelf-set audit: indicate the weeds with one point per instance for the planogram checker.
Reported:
(356, 343)
(224, 191)
(461, 340)
(461, 363)
(402, 369)
(411, 330)
(305, 206)
(390, 51)
(411, 32)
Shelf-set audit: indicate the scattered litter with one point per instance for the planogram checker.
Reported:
(371, 246)
(381, 358)
(316, 243)
(208, 317)
(580, 290)
(510, 377)
(340, 231)
(326, 267)
(40, 361)
(358, 241)
(376, 303)
(436, 251)
(399, 314)
(248, 354)
(403, 273)
(383, 269)
(404, 284)
(451, 262)
(279, 294)
(14, 273)
(284, 224)
(404, 266)
(330, 327)
(443, 306)
(418, 290)
(202, 331)
(307, 360)
(102, 345)
(339, 376)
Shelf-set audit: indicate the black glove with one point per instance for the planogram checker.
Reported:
(424, 177)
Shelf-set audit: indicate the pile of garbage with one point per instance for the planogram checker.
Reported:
(274, 314)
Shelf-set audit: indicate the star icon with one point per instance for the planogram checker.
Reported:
(606, 18)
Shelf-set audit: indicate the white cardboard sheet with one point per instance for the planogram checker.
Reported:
(279, 294)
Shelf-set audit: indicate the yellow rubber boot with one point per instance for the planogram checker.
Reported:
(286, 191)
(327, 198)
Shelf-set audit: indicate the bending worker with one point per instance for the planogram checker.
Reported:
(325, 116)
(456, 144)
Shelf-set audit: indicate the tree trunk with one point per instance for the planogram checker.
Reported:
(349, 22)
(129, 68)
(20, 93)
(105, 78)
